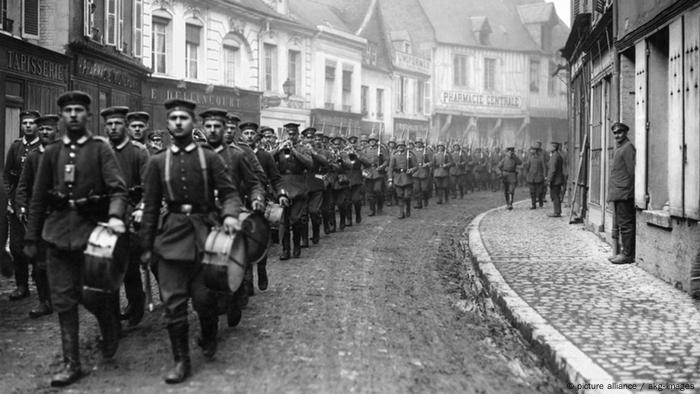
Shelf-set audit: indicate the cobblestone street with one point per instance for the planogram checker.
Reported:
(385, 306)
(630, 326)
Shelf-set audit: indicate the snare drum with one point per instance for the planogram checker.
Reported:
(105, 260)
(224, 260)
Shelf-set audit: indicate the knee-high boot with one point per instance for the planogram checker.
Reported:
(71, 353)
(210, 329)
(286, 250)
(179, 340)
(42, 289)
(358, 213)
(304, 227)
(297, 231)
(407, 204)
(341, 212)
(348, 214)
(315, 228)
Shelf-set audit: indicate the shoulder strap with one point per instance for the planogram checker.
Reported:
(168, 186)
(203, 166)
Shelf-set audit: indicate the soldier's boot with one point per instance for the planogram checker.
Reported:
(341, 213)
(315, 228)
(233, 310)
(407, 204)
(380, 204)
(262, 274)
(461, 192)
(447, 195)
(326, 224)
(348, 215)
(533, 201)
(208, 341)
(275, 236)
(439, 196)
(419, 201)
(247, 285)
(42, 289)
(179, 340)
(358, 212)
(296, 239)
(21, 266)
(286, 253)
(332, 221)
(110, 326)
(402, 209)
(71, 370)
(372, 208)
(304, 227)
(426, 197)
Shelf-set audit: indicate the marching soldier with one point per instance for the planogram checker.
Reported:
(507, 167)
(185, 176)
(314, 180)
(356, 182)
(78, 185)
(47, 127)
(378, 160)
(442, 161)
(421, 178)
(401, 165)
(132, 157)
(555, 177)
(469, 170)
(459, 160)
(341, 182)
(389, 192)
(329, 174)
(232, 121)
(137, 123)
(155, 142)
(292, 161)
(16, 156)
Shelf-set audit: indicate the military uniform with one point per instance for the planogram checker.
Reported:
(341, 182)
(317, 186)
(401, 167)
(356, 163)
(442, 161)
(378, 160)
(457, 171)
(16, 157)
(555, 175)
(508, 169)
(535, 172)
(421, 178)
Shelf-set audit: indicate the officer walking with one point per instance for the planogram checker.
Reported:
(79, 184)
(508, 170)
(47, 128)
(16, 156)
(555, 175)
(535, 171)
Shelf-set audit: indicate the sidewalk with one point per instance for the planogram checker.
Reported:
(596, 322)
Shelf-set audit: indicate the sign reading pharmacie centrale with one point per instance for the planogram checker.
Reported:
(462, 98)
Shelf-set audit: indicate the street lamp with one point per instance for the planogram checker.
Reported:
(288, 87)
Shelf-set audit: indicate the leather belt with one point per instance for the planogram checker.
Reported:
(401, 170)
(187, 208)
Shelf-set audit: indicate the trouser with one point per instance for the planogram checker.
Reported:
(315, 207)
(625, 225)
(180, 281)
(421, 191)
(133, 284)
(327, 209)
(341, 200)
(40, 274)
(554, 193)
(375, 194)
(442, 184)
(536, 192)
(21, 263)
(509, 190)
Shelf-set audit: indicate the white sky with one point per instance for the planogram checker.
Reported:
(563, 10)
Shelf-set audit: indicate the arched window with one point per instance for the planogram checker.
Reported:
(232, 53)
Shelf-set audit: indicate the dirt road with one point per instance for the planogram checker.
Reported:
(387, 306)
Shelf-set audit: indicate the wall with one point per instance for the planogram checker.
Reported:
(325, 49)
(379, 80)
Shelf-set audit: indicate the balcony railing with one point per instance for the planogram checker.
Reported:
(411, 62)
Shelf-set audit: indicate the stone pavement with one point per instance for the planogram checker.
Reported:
(596, 322)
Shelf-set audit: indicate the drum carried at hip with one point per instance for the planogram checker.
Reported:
(105, 260)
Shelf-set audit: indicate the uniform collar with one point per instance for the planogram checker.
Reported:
(123, 144)
(189, 148)
(80, 141)
(42, 148)
(219, 148)
(32, 142)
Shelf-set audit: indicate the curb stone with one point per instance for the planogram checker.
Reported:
(563, 357)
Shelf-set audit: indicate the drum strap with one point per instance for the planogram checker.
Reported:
(203, 166)
(168, 186)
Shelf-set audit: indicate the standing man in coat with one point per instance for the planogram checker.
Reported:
(621, 194)
(16, 156)
(78, 184)
(401, 167)
(508, 167)
(535, 171)
(555, 176)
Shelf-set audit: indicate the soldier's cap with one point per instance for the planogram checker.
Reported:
(138, 116)
(619, 126)
(410, 142)
(392, 139)
(337, 137)
(320, 133)
(248, 126)
(419, 141)
(213, 113)
(29, 114)
(114, 112)
(400, 142)
(292, 128)
(177, 104)
(232, 118)
(373, 136)
(352, 138)
(309, 132)
(441, 143)
(47, 120)
(155, 134)
(538, 143)
(555, 143)
(511, 148)
(364, 137)
(266, 130)
(76, 97)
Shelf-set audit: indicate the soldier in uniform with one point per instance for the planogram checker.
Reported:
(78, 184)
(137, 123)
(47, 127)
(442, 161)
(507, 167)
(555, 177)
(132, 157)
(535, 171)
(341, 181)
(390, 196)
(329, 174)
(401, 167)
(155, 142)
(185, 176)
(232, 121)
(16, 156)
(314, 180)
(469, 170)
(457, 171)
(292, 161)
(421, 178)
(355, 163)
(378, 160)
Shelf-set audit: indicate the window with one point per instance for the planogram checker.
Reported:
(114, 22)
(370, 56)
(428, 99)
(30, 17)
(401, 92)
(269, 66)
(460, 70)
(3, 14)
(489, 74)
(294, 70)
(420, 93)
(551, 79)
(230, 64)
(347, 90)
(534, 75)
(329, 96)
(192, 39)
(364, 100)
(158, 45)
(138, 27)
(380, 103)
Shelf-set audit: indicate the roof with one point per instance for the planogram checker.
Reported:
(481, 23)
(538, 13)
(407, 16)
(317, 12)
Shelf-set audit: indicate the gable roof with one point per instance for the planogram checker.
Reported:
(538, 13)
(317, 12)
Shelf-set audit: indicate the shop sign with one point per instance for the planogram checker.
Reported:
(223, 99)
(102, 71)
(462, 98)
(33, 65)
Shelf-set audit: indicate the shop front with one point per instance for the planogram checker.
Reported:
(31, 77)
(244, 103)
(340, 123)
(410, 129)
(109, 77)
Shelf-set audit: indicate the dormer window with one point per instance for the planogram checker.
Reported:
(481, 30)
(401, 41)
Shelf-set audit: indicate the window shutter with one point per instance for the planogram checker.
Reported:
(31, 17)
(192, 34)
(675, 118)
(640, 124)
(692, 116)
(428, 99)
